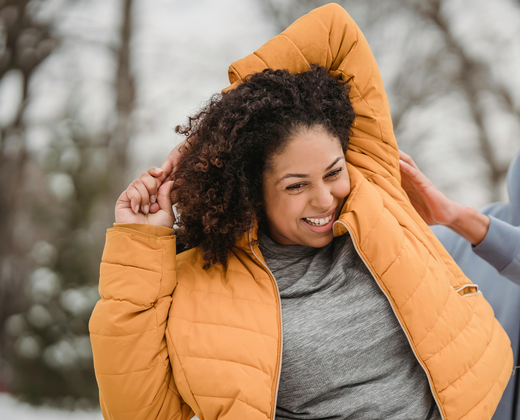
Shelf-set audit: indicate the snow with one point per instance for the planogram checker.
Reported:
(12, 409)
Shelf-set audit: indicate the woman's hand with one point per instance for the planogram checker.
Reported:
(166, 171)
(431, 204)
(147, 200)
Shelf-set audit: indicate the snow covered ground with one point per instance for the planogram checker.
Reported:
(11, 409)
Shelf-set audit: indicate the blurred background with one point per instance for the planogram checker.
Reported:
(90, 91)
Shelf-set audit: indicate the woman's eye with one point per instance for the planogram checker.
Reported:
(333, 173)
(294, 187)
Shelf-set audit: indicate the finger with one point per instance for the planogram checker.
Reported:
(158, 174)
(123, 202)
(145, 197)
(407, 158)
(409, 170)
(404, 165)
(168, 166)
(135, 198)
(173, 194)
(164, 198)
(124, 198)
(151, 185)
(154, 208)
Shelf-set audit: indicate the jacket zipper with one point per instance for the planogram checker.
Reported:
(281, 325)
(398, 320)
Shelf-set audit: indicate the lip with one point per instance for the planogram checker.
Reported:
(321, 229)
(321, 216)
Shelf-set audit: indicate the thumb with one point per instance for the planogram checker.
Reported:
(163, 197)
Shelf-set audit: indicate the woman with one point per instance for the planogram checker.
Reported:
(378, 322)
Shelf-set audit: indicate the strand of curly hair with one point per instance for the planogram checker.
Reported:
(229, 146)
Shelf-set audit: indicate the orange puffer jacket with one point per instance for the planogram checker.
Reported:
(172, 340)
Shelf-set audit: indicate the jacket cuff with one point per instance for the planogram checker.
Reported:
(138, 263)
(512, 271)
(501, 244)
(152, 230)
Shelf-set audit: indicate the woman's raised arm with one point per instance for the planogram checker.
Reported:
(127, 327)
(329, 37)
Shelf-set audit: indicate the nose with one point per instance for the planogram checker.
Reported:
(322, 198)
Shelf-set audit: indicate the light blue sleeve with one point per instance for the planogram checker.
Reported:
(447, 238)
(501, 248)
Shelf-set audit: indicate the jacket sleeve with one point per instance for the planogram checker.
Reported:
(501, 248)
(329, 37)
(127, 326)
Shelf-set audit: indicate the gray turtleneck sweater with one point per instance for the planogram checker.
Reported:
(345, 356)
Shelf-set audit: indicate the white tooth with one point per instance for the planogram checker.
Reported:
(322, 222)
(313, 220)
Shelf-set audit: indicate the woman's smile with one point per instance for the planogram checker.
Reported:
(320, 223)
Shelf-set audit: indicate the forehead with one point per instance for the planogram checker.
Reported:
(307, 151)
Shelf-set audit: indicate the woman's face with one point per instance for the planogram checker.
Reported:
(304, 189)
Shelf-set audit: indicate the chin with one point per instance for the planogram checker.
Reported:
(319, 242)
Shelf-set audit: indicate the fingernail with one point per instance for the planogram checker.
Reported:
(136, 209)
(159, 170)
(146, 208)
(152, 199)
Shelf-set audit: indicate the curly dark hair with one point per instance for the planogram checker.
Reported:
(230, 143)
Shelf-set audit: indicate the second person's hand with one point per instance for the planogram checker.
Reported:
(431, 204)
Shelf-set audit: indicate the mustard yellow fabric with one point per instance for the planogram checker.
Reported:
(171, 340)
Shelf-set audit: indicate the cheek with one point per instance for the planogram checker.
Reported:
(274, 205)
(295, 206)
(342, 188)
(282, 209)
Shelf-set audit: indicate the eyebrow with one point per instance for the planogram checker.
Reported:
(306, 175)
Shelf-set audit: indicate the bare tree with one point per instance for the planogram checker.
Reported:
(473, 77)
(125, 94)
(71, 230)
(27, 43)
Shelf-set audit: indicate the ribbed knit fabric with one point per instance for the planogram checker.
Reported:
(345, 355)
